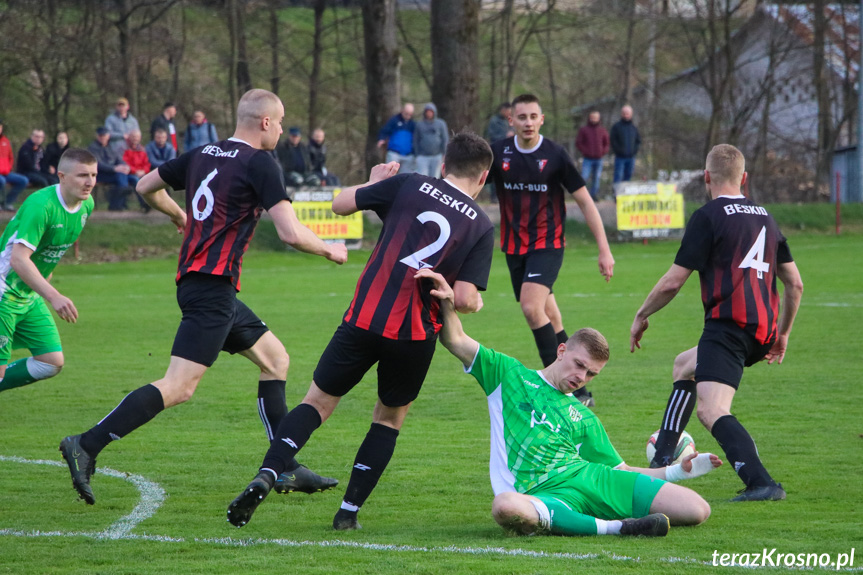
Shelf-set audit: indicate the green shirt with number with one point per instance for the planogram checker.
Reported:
(47, 226)
(537, 432)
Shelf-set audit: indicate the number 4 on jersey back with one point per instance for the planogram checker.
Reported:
(755, 258)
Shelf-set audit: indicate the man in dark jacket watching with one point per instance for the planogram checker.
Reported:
(625, 140)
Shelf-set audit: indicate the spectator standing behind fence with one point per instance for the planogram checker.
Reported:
(120, 123)
(398, 137)
(165, 121)
(296, 161)
(625, 140)
(318, 155)
(54, 150)
(17, 181)
(593, 142)
(430, 140)
(31, 161)
(112, 170)
(159, 150)
(498, 125)
(136, 158)
(199, 133)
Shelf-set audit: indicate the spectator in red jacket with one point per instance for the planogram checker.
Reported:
(138, 161)
(17, 181)
(593, 142)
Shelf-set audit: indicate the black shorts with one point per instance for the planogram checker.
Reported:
(402, 364)
(724, 350)
(214, 319)
(539, 267)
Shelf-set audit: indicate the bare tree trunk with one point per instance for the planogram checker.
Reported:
(628, 59)
(315, 76)
(382, 70)
(546, 46)
(274, 46)
(175, 58)
(822, 91)
(230, 12)
(244, 79)
(455, 61)
(127, 52)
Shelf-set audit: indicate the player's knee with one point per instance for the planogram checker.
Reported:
(509, 511)
(43, 370)
(698, 510)
(708, 414)
(281, 362)
(534, 313)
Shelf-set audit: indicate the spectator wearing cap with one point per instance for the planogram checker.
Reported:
(112, 170)
(200, 132)
(165, 121)
(296, 160)
(430, 140)
(31, 161)
(120, 123)
(7, 176)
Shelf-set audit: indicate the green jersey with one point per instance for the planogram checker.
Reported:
(537, 432)
(47, 226)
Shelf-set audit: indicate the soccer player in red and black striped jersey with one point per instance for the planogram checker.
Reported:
(228, 185)
(738, 251)
(393, 320)
(532, 176)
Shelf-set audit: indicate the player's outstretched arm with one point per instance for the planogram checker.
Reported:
(661, 294)
(467, 297)
(345, 203)
(27, 271)
(594, 222)
(693, 465)
(452, 334)
(299, 237)
(789, 275)
(152, 189)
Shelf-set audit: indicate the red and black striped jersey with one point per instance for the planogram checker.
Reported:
(531, 186)
(228, 184)
(427, 223)
(735, 246)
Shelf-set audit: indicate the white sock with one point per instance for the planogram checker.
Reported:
(608, 527)
(349, 507)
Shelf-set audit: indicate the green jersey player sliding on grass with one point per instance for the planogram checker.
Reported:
(553, 468)
(48, 223)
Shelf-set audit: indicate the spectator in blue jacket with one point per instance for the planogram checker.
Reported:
(625, 140)
(199, 133)
(159, 150)
(398, 136)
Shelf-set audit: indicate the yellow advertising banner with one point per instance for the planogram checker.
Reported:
(662, 209)
(319, 217)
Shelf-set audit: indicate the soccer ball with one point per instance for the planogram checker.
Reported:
(685, 446)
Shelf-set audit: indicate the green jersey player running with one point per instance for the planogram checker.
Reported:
(47, 224)
(553, 468)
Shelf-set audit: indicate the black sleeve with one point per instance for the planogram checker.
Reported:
(380, 196)
(696, 243)
(173, 172)
(783, 252)
(476, 266)
(267, 180)
(570, 177)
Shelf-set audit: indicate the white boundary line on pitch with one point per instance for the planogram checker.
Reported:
(152, 497)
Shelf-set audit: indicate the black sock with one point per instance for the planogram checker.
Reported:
(546, 343)
(681, 402)
(272, 408)
(372, 458)
(740, 451)
(561, 336)
(135, 410)
(294, 431)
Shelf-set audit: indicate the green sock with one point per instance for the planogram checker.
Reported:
(16, 375)
(566, 521)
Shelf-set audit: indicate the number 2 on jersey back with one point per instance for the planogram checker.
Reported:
(415, 259)
(755, 258)
(205, 192)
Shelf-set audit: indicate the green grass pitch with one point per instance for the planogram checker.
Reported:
(431, 510)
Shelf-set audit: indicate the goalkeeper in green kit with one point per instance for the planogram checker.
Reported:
(47, 224)
(553, 468)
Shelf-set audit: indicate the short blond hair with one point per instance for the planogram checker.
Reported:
(726, 164)
(592, 341)
(255, 105)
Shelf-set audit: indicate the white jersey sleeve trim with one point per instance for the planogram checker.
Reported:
(620, 465)
(24, 242)
(469, 368)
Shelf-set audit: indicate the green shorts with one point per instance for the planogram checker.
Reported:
(602, 492)
(30, 327)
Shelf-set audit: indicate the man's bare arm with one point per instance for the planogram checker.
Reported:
(452, 334)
